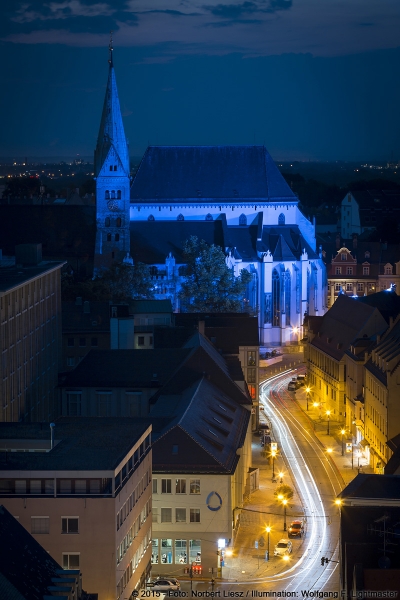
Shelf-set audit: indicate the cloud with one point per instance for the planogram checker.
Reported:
(62, 10)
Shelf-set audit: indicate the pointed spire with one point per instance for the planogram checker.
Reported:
(111, 132)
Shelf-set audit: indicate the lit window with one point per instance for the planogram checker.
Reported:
(195, 486)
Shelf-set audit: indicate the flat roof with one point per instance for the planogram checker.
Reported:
(14, 276)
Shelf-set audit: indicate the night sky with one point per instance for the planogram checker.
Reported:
(310, 79)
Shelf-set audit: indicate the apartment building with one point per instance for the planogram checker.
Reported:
(30, 335)
(83, 490)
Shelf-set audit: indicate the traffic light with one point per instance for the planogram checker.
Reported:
(324, 560)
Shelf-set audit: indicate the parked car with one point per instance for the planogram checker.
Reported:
(283, 547)
(296, 529)
(292, 386)
(166, 585)
(301, 379)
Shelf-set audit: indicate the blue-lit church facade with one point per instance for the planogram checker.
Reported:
(231, 196)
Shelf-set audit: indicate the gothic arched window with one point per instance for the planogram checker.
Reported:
(180, 218)
(150, 218)
(113, 194)
(115, 167)
(276, 299)
(287, 295)
(281, 219)
(242, 219)
(119, 194)
(118, 222)
(108, 237)
(107, 194)
(107, 222)
(209, 217)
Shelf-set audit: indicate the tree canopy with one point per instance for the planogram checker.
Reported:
(210, 285)
(119, 283)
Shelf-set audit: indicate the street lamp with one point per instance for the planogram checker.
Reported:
(273, 454)
(342, 431)
(284, 502)
(281, 477)
(328, 414)
(268, 530)
(308, 390)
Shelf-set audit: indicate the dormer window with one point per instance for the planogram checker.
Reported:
(242, 219)
(344, 256)
(388, 269)
(365, 270)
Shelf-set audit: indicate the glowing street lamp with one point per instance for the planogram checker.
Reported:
(268, 530)
(280, 477)
(342, 431)
(328, 414)
(284, 502)
(308, 390)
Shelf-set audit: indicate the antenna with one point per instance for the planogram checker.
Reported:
(110, 48)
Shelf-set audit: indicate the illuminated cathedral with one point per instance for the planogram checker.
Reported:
(231, 196)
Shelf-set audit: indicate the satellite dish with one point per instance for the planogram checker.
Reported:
(384, 562)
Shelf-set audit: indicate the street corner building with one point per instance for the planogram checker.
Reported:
(82, 489)
(231, 196)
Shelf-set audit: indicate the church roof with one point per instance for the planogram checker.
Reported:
(201, 173)
(111, 132)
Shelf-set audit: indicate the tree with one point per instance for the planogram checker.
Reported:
(119, 283)
(210, 285)
(284, 490)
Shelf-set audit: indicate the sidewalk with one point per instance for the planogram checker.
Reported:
(262, 509)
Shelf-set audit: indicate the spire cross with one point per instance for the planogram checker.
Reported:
(110, 48)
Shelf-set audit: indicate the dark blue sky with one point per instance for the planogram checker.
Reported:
(311, 79)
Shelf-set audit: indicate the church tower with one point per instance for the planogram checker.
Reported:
(111, 166)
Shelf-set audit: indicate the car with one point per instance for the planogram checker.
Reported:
(292, 386)
(166, 585)
(301, 379)
(283, 547)
(296, 529)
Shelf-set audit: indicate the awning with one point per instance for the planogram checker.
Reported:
(364, 443)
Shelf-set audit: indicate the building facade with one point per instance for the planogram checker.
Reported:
(85, 495)
(231, 196)
(30, 333)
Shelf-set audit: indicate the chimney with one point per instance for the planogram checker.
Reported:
(52, 425)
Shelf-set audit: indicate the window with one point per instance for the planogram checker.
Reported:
(195, 486)
(115, 167)
(119, 194)
(242, 219)
(65, 486)
(70, 361)
(71, 560)
(116, 237)
(360, 287)
(349, 271)
(94, 486)
(165, 486)
(70, 525)
(94, 342)
(166, 551)
(252, 391)
(180, 486)
(141, 340)
(349, 287)
(74, 402)
(194, 551)
(180, 218)
(20, 486)
(388, 269)
(343, 256)
(82, 342)
(181, 552)
(195, 515)
(209, 217)
(365, 270)
(40, 525)
(337, 287)
(281, 219)
(251, 375)
(338, 270)
(150, 218)
(70, 342)
(35, 486)
(154, 486)
(166, 515)
(180, 515)
(118, 222)
(108, 237)
(251, 358)
(80, 486)
(154, 552)
(49, 486)
(107, 194)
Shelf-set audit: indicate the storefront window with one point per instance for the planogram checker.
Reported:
(181, 552)
(154, 552)
(166, 552)
(251, 358)
(195, 551)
